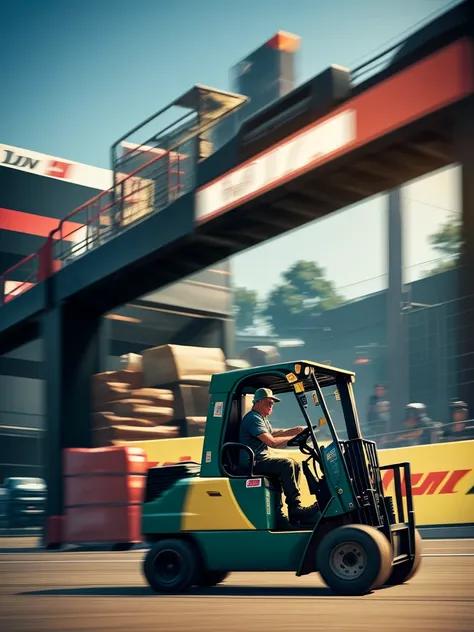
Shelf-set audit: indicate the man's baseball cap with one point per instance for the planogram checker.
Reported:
(264, 393)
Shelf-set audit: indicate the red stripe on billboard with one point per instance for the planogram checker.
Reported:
(442, 79)
(436, 82)
(30, 224)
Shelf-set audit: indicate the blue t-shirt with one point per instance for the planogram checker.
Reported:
(252, 425)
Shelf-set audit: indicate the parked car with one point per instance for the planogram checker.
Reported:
(22, 502)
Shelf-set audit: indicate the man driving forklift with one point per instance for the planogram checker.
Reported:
(257, 433)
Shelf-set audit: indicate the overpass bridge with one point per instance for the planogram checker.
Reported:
(326, 145)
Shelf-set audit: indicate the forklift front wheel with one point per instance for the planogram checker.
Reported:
(354, 559)
(403, 572)
(171, 566)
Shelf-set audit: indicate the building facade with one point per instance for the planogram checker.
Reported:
(36, 192)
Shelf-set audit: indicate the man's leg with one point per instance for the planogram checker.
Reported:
(282, 521)
(288, 471)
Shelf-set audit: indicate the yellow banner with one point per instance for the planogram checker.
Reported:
(442, 479)
(442, 474)
(169, 451)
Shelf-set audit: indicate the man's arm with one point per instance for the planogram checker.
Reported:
(279, 438)
(259, 429)
(289, 432)
(271, 441)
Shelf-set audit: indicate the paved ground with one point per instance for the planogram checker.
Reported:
(98, 592)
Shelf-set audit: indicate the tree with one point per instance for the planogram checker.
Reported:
(245, 308)
(304, 294)
(447, 242)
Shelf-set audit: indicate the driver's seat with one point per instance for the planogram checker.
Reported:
(231, 449)
(230, 460)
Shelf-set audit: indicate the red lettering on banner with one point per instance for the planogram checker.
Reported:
(453, 480)
(428, 483)
(387, 479)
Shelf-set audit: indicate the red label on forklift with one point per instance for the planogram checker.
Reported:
(254, 482)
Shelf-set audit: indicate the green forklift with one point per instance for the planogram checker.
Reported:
(204, 521)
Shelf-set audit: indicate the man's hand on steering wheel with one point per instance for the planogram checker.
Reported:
(300, 441)
(300, 437)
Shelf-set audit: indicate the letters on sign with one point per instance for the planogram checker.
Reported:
(276, 165)
(428, 483)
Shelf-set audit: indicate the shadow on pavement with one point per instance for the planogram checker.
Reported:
(218, 591)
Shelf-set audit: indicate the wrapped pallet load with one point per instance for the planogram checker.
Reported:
(260, 355)
(105, 392)
(167, 397)
(173, 364)
(132, 362)
(133, 379)
(236, 363)
(126, 412)
(111, 430)
(187, 372)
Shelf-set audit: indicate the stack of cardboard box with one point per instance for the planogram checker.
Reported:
(123, 410)
(161, 394)
(186, 372)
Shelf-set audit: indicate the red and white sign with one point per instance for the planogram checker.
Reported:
(270, 168)
(253, 482)
(52, 167)
(59, 169)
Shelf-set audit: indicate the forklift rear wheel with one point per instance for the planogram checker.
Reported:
(207, 579)
(406, 570)
(354, 559)
(170, 566)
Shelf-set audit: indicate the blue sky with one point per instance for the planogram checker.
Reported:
(80, 74)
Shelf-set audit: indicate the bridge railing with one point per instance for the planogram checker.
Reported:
(145, 191)
(149, 175)
(19, 278)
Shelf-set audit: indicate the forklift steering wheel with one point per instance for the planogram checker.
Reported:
(300, 438)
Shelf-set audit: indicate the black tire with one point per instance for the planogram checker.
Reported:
(402, 573)
(207, 579)
(171, 566)
(354, 559)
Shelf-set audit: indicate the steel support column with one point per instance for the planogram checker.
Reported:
(464, 151)
(397, 347)
(75, 348)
